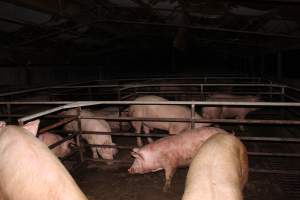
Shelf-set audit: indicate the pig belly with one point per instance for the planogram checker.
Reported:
(230, 112)
(218, 171)
(172, 127)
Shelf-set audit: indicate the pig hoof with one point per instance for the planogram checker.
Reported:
(166, 188)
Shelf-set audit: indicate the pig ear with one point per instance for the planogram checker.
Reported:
(2, 124)
(32, 126)
(135, 153)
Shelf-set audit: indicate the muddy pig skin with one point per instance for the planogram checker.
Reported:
(60, 150)
(29, 170)
(223, 112)
(219, 170)
(93, 125)
(170, 152)
(160, 111)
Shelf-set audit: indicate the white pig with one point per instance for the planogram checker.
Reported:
(171, 152)
(113, 112)
(93, 125)
(29, 170)
(223, 112)
(219, 170)
(60, 150)
(160, 111)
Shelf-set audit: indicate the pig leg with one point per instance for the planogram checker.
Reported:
(138, 126)
(242, 128)
(95, 154)
(169, 172)
(147, 131)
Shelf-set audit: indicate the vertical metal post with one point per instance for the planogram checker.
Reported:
(193, 115)
(90, 94)
(8, 107)
(79, 135)
(271, 91)
(119, 109)
(282, 99)
(173, 60)
(262, 65)
(279, 66)
(201, 92)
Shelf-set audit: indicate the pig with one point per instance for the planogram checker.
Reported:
(93, 125)
(218, 171)
(160, 111)
(171, 152)
(113, 112)
(223, 112)
(60, 150)
(29, 170)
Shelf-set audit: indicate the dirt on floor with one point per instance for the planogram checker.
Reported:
(115, 183)
(120, 185)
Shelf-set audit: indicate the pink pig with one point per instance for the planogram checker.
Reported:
(218, 171)
(93, 125)
(223, 112)
(60, 150)
(29, 170)
(170, 152)
(113, 112)
(160, 111)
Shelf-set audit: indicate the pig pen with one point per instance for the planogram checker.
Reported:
(271, 138)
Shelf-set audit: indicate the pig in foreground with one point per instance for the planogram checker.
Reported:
(29, 170)
(170, 152)
(160, 111)
(113, 112)
(60, 150)
(97, 125)
(219, 170)
(223, 112)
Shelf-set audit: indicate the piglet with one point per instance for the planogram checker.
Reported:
(170, 152)
(29, 170)
(60, 150)
(219, 170)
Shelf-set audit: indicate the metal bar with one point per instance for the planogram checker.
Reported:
(269, 171)
(130, 134)
(199, 27)
(126, 134)
(207, 103)
(208, 93)
(52, 126)
(8, 107)
(193, 116)
(292, 98)
(79, 135)
(269, 139)
(52, 146)
(294, 155)
(36, 102)
(234, 121)
(203, 103)
(126, 86)
(249, 153)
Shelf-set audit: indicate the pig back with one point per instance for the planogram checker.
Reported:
(180, 149)
(218, 171)
(29, 169)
